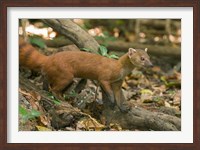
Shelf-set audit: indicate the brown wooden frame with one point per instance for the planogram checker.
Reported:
(98, 3)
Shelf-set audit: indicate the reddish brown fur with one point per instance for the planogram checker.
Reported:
(62, 67)
(29, 57)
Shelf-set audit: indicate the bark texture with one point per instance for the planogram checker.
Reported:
(74, 33)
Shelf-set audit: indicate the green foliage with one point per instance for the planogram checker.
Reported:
(113, 56)
(72, 94)
(27, 115)
(157, 99)
(146, 91)
(38, 42)
(86, 49)
(104, 52)
(170, 83)
(56, 101)
(171, 92)
(105, 39)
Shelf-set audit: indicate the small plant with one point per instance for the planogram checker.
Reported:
(104, 52)
(56, 101)
(28, 115)
(38, 42)
(86, 49)
(170, 83)
(105, 38)
(72, 94)
(157, 98)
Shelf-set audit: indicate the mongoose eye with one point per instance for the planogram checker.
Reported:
(142, 58)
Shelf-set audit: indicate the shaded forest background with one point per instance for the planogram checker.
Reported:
(155, 90)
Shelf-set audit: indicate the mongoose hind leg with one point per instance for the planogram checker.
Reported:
(60, 85)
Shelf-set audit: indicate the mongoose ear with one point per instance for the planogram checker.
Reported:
(131, 51)
(146, 50)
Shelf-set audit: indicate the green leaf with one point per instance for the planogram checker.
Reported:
(57, 102)
(164, 80)
(51, 97)
(156, 99)
(86, 49)
(113, 56)
(26, 115)
(41, 128)
(34, 113)
(99, 38)
(23, 111)
(37, 42)
(111, 38)
(72, 94)
(146, 91)
(103, 50)
(106, 34)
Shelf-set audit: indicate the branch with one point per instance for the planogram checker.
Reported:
(73, 32)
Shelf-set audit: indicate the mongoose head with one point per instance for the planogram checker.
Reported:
(139, 58)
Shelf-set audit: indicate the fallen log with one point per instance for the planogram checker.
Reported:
(136, 118)
(161, 51)
(139, 118)
(122, 46)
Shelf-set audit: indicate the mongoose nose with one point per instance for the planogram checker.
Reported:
(150, 65)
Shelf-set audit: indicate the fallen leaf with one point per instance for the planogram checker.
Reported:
(41, 128)
(167, 104)
(90, 124)
(44, 120)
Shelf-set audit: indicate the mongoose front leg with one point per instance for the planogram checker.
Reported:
(106, 86)
(119, 97)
